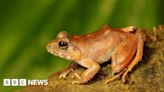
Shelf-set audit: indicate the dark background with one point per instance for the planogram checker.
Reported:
(26, 26)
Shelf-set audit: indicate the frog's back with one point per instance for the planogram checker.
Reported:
(100, 45)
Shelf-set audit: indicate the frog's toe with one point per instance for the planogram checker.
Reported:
(124, 76)
(108, 81)
(112, 79)
(63, 75)
(132, 29)
(76, 75)
(78, 82)
(123, 79)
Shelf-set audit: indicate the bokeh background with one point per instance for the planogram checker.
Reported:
(26, 26)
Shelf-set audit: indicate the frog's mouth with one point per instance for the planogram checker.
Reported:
(62, 55)
(55, 53)
(52, 52)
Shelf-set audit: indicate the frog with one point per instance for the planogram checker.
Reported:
(122, 46)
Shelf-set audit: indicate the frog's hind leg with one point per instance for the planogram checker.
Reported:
(137, 58)
(122, 56)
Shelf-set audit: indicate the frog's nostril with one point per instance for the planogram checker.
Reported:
(51, 46)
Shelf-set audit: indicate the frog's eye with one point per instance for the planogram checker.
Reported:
(63, 45)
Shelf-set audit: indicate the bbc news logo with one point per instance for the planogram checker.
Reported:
(23, 82)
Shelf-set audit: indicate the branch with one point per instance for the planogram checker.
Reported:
(147, 76)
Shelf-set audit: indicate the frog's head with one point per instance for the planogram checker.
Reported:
(62, 47)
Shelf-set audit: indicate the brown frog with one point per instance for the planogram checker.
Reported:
(123, 46)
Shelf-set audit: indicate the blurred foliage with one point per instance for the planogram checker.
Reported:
(26, 26)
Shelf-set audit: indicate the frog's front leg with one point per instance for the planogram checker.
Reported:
(92, 69)
(68, 70)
